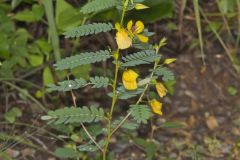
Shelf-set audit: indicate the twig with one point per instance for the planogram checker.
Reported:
(83, 126)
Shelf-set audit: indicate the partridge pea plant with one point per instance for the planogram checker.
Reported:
(97, 125)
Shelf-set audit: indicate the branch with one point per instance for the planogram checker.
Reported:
(84, 128)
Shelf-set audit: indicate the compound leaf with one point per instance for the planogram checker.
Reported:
(143, 57)
(67, 85)
(82, 59)
(99, 82)
(140, 113)
(167, 74)
(88, 29)
(69, 115)
(98, 5)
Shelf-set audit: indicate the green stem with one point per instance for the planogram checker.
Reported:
(52, 28)
(114, 99)
(124, 10)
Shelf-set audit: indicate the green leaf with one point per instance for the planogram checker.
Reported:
(82, 71)
(67, 85)
(35, 60)
(15, 3)
(47, 76)
(170, 86)
(67, 16)
(122, 93)
(82, 59)
(88, 29)
(69, 115)
(44, 46)
(140, 113)
(6, 23)
(107, 15)
(149, 147)
(11, 115)
(33, 15)
(4, 45)
(167, 75)
(65, 153)
(98, 5)
(226, 6)
(143, 57)
(99, 82)
(142, 46)
(171, 125)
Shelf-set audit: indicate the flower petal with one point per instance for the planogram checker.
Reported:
(139, 27)
(132, 85)
(156, 106)
(161, 90)
(129, 79)
(123, 40)
(129, 26)
(142, 38)
(129, 75)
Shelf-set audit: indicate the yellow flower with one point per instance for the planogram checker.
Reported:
(161, 90)
(156, 106)
(136, 30)
(129, 79)
(122, 37)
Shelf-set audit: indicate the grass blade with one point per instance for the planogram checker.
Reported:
(52, 28)
(199, 28)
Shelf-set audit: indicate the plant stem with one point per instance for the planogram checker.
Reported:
(124, 10)
(52, 28)
(114, 99)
